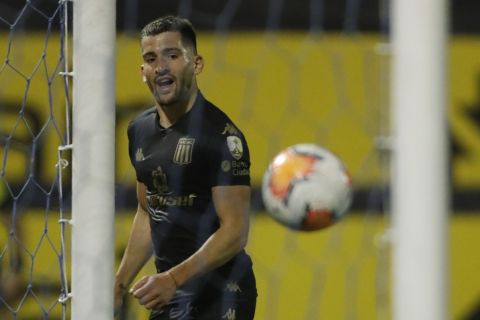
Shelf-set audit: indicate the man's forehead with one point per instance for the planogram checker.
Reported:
(162, 40)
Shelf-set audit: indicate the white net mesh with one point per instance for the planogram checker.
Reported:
(33, 110)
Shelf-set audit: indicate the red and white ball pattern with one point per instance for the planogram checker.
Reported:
(306, 187)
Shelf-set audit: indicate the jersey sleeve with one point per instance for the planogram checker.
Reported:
(130, 142)
(230, 161)
(131, 146)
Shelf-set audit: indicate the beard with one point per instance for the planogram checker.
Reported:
(180, 94)
(170, 100)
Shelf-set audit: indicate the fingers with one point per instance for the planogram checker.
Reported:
(148, 299)
(147, 293)
(155, 303)
(151, 301)
(139, 284)
(140, 289)
(154, 291)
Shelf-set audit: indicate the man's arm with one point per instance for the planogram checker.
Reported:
(232, 204)
(139, 248)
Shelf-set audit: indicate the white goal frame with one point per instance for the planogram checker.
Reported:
(93, 159)
(420, 163)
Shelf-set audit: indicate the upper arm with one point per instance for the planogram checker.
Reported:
(142, 197)
(232, 204)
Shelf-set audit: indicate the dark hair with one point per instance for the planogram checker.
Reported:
(172, 23)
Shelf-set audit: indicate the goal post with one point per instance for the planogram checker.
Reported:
(420, 163)
(93, 159)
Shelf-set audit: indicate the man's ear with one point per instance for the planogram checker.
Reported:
(198, 64)
(144, 78)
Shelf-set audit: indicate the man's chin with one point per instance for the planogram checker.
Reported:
(166, 101)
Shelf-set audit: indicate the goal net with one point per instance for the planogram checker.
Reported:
(34, 112)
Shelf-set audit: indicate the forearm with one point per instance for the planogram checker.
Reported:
(139, 249)
(222, 246)
(229, 239)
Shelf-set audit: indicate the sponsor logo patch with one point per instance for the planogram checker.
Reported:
(159, 179)
(235, 146)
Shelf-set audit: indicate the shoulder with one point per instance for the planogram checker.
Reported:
(142, 120)
(144, 116)
(225, 138)
(219, 122)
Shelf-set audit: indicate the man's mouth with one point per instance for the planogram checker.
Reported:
(164, 82)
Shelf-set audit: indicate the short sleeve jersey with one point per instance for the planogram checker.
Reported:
(179, 166)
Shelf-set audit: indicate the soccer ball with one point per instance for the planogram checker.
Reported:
(306, 187)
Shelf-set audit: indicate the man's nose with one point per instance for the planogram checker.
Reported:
(162, 68)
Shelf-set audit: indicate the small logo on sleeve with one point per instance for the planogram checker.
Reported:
(230, 129)
(235, 146)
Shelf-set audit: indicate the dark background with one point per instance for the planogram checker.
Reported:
(320, 15)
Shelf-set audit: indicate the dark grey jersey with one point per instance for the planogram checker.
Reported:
(179, 166)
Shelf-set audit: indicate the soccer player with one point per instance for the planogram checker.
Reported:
(193, 190)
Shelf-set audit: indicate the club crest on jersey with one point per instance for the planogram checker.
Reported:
(235, 146)
(184, 151)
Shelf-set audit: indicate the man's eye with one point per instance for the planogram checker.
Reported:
(173, 56)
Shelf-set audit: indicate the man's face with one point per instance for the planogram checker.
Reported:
(169, 67)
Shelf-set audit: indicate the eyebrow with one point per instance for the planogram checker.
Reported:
(171, 50)
(164, 51)
(148, 54)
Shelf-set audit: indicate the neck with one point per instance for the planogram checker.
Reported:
(171, 113)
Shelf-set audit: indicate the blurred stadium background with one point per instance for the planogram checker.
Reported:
(287, 72)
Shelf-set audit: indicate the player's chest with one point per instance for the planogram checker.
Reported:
(171, 154)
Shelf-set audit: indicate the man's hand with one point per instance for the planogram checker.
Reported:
(119, 291)
(12, 286)
(154, 291)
